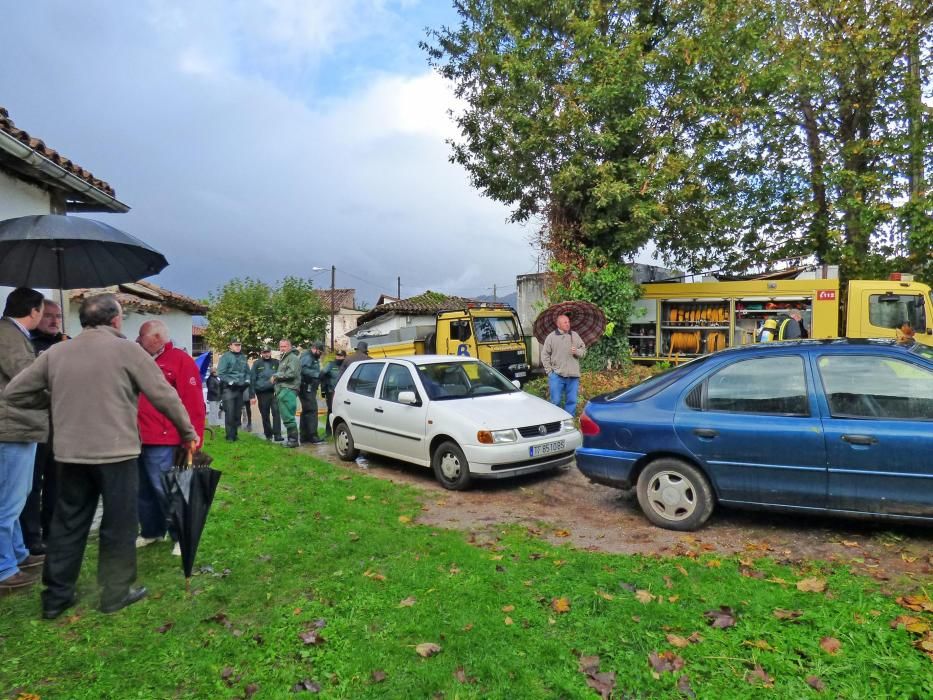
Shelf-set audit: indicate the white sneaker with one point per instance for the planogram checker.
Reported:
(176, 550)
(146, 541)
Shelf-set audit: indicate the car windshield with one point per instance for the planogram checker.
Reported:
(459, 380)
(652, 385)
(495, 329)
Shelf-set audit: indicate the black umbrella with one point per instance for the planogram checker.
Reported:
(70, 252)
(190, 491)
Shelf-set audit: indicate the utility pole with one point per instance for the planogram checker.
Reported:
(494, 297)
(398, 291)
(333, 291)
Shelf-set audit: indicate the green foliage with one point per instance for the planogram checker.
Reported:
(258, 314)
(591, 277)
(294, 545)
(726, 134)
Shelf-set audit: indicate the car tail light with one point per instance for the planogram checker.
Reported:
(588, 426)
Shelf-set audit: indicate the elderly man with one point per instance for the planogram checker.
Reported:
(233, 371)
(287, 380)
(560, 357)
(94, 382)
(159, 437)
(21, 427)
(37, 513)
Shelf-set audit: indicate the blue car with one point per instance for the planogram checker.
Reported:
(819, 426)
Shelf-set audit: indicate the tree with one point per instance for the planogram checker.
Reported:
(725, 133)
(258, 314)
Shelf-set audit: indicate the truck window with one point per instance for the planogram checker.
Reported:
(496, 329)
(460, 330)
(894, 310)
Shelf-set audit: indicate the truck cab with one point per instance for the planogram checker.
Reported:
(489, 332)
(877, 308)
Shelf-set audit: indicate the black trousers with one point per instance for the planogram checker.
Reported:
(79, 489)
(37, 513)
(330, 409)
(232, 399)
(269, 412)
(247, 413)
(307, 428)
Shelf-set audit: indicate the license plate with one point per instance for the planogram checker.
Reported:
(547, 448)
(519, 374)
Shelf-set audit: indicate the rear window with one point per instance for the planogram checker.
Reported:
(657, 383)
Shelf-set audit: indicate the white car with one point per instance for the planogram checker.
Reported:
(454, 414)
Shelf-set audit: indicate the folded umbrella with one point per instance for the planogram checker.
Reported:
(189, 489)
(587, 319)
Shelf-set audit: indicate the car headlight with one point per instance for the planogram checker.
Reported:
(490, 437)
(568, 424)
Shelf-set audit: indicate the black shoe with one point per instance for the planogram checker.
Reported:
(314, 440)
(54, 612)
(37, 548)
(134, 595)
(278, 438)
(291, 444)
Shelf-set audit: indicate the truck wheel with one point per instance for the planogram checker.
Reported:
(451, 467)
(674, 495)
(343, 442)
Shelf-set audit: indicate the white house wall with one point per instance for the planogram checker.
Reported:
(19, 198)
(178, 322)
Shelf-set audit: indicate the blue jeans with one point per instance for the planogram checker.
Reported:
(154, 461)
(16, 466)
(559, 386)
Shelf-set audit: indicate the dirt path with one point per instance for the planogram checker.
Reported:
(566, 507)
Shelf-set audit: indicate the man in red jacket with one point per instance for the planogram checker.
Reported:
(157, 433)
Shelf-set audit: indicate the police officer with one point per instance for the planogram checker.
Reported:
(310, 382)
(233, 371)
(262, 372)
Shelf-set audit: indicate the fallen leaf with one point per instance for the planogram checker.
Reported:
(908, 558)
(226, 672)
(508, 620)
(916, 602)
(682, 570)
(912, 624)
(311, 637)
(404, 519)
(426, 649)
(351, 498)
(375, 575)
(758, 676)
(602, 683)
(508, 608)
(713, 564)
(758, 644)
(462, 677)
(306, 685)
(378, 675)
(250, 690)
(677, 641)
(812, 585)
(644, 597)
(560, 605)
(850, 543)
(816, 683)
(454, 571)
(406, 602)
(665, 661)
(782, 614)
(604, 595)
(830, 645)
(165, 628)
(467, 627)
(720, 619)
(683, 686)
(562, 533)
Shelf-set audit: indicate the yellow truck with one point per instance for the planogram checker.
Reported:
(488, 331)
(678, 321)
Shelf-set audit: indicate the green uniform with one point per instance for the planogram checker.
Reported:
(310, 380)
(287, 382)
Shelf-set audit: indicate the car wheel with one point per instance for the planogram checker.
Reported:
(343, 442)
(674, 495)
(451, 467)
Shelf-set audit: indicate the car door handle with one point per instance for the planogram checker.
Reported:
(379, 410)
(860, 439)
(705, 432)
(346, 402)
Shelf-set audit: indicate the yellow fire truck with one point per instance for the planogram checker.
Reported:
(489, 332)
(679, 321)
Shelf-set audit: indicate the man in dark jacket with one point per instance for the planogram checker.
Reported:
(261, 380)
(310, 381)
(328, 382)
(21, 427)
(97, 449)
(37, 514)
(359, 354)
(214, 390)
(233, 371)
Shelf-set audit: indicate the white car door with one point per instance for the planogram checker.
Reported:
(359, 403)
(401, 428)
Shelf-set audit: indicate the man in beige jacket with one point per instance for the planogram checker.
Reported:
(563, 349)
(94, 382)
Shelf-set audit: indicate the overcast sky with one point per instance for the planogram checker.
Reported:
(265, 137)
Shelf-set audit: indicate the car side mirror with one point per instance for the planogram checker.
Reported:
(517, 384)
(407, 397)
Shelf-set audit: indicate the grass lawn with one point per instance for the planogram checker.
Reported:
(316, 579)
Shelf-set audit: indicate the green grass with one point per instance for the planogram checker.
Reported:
(292, 540)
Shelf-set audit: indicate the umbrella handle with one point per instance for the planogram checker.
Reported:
(189, 459)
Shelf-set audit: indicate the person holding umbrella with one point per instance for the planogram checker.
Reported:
(21, 428)
(97, 449)
(159, 437)
(560, 357)
(233, 371)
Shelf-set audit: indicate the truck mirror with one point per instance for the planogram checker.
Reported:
(407, 397)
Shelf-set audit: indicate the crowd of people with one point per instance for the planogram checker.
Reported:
(119, 412)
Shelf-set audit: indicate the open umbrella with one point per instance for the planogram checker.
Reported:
(203, 362)
(587, 319)
(70, 252)
(189, 490)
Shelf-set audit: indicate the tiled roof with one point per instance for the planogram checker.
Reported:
(7, 126)
(427, 303)
(198, 331)
(147, 297)
(343, 298)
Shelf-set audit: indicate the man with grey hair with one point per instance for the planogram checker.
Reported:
(159, 437)
(94, 382)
